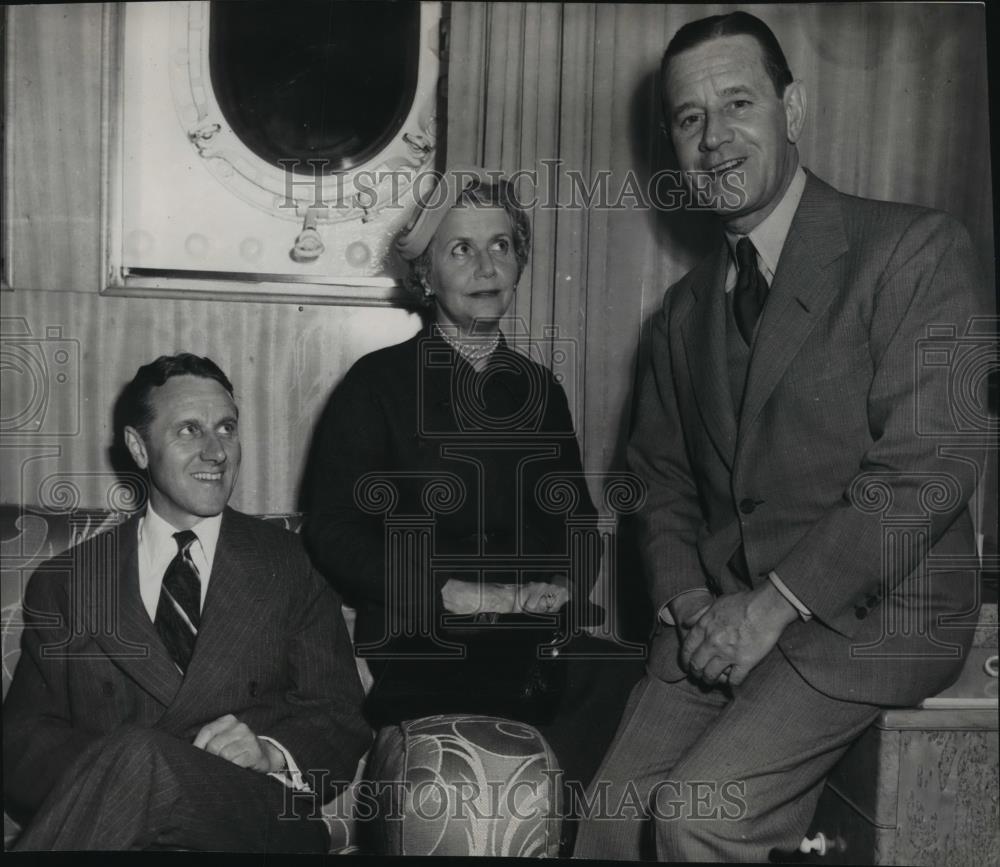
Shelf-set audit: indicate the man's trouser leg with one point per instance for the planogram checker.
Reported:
(141, 788)
(723, 778)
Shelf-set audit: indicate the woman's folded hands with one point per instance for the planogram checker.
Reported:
(534, 597)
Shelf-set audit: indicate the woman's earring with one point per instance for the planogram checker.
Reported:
(428, 292)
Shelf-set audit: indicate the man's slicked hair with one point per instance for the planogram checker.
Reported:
(135, 406)
(698, 32)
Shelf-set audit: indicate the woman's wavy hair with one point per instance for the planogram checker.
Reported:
(499, 194)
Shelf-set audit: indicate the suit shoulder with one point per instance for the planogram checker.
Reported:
(270, 533)
(50, 580)
(679, 293)
(52, 576)
(101, 540)
(269, 542)
(875, 221)
(277, 550)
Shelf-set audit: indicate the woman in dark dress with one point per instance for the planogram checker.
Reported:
(447, 501)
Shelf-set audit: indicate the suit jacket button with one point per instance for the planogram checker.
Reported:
(861, 612)
(107, 689)
(252, 687)
(747, 506)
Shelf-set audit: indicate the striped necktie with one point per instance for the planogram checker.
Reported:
(178, 612)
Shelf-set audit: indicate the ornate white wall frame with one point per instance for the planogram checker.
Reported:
(188, 209)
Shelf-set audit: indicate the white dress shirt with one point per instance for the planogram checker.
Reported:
(769, 237)
(157, 547)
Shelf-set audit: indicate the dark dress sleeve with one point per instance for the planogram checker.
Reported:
(547, 520)
(346, 542)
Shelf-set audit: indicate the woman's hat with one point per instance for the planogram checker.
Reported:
(436, 194)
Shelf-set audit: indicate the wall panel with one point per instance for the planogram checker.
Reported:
(283, 360)
(55, 146)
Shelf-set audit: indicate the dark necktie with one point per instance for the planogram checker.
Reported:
(751, 289)
(181, 587)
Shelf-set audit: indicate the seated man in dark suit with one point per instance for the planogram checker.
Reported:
(184, 675)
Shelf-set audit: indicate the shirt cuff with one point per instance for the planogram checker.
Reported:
(291, 776)
(782, 588)
(664, 612)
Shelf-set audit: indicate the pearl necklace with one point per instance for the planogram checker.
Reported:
(475, 352)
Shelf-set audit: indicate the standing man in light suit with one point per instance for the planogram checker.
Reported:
(782, 384)
(181, 672)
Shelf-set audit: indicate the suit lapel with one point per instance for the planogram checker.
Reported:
(803, 287)
(135, 646)
(704, 333)
(237, 585)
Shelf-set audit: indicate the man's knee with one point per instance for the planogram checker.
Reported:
(135, 744)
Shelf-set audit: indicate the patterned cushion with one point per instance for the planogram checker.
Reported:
(470, 785)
